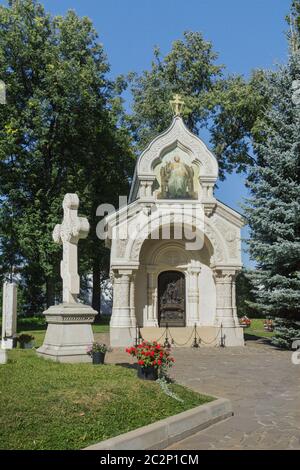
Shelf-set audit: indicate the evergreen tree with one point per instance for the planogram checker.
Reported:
(273, 210)
(286, 330)
(244, 294)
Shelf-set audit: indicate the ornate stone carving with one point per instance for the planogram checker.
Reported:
(178, 133)
(218, 256)
(121, 247)
(135, 252)
(230, 236)
(172, 257)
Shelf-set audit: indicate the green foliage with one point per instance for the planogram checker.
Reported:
(188, 69)
(273, 210)
(230, 108)
(70, 406)
(245, 296)
(285, 332)
(59, 133)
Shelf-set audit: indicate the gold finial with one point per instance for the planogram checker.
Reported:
(177, 104)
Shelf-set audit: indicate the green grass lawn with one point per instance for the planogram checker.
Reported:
(257, 329)
(47, 405)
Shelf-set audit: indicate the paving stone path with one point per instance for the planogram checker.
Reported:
(261, 382)
(264, 387)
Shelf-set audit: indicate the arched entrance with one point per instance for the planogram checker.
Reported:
(171, 299)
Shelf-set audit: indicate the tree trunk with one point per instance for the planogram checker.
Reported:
(96, 302)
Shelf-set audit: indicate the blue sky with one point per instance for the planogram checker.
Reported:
(246, 34)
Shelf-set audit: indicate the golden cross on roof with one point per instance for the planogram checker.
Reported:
(177, 104)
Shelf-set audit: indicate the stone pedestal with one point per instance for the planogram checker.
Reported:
(69, 333)
(233, 336)
(3, 356)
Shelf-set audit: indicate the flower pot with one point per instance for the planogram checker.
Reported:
(26, 345)
(147, 373)
(98, 357)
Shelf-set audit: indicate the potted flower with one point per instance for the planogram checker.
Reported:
(97, 351)
(152, 358)
(268, 325)
(26, 341)
(245, 322)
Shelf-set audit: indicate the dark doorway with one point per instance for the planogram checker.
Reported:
(171, 298)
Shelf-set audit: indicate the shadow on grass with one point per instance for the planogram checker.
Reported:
(252, 337)
(127, 365)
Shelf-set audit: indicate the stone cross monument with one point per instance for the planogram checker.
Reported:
(68, 234)
(69, 332)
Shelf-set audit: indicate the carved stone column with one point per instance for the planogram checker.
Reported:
(193, 295)
(151, 299)
(132, 301)
(142, 190)
(123, 321)
(149, 188)
(234, 309)
(225, 304)
(121, 314)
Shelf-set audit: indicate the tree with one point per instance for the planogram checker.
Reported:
(273, 211)
(244, 296)
(293, 19)
(229, 107)
(58, 133)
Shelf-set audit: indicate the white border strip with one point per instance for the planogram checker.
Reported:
(165, 432)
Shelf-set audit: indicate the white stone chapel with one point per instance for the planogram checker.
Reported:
(175, 249)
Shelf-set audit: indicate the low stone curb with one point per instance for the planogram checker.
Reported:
(167, 431)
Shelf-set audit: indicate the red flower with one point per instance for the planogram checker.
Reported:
(141, 362)
(159, 362)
